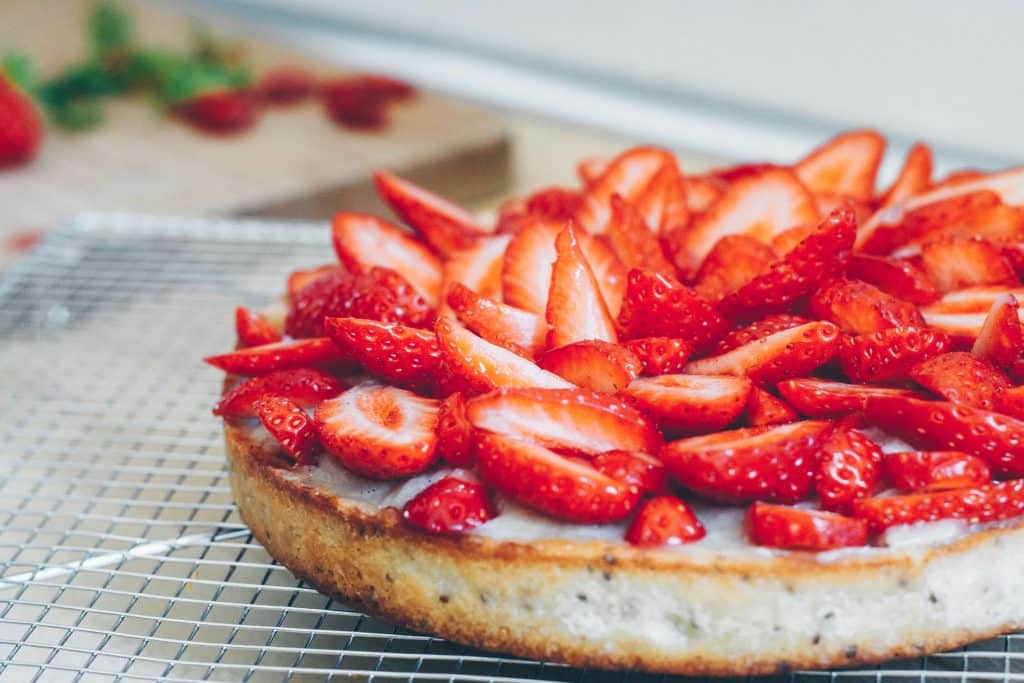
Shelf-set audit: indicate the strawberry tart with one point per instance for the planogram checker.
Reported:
(734, 422)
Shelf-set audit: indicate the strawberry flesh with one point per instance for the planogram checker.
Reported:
(860, 308)
(897, 277)
(764, 409)
(511, 328)
(824, 398)
(846, 164)
(576, 310)
(446, 227)
(1001, 338)
(935, 470)
(597, 365)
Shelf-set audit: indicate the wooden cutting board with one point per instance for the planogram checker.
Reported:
(294, 163)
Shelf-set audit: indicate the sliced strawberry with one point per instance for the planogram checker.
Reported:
(476, 365)
(378, 431)
(784, 242)
(304, 386)
(454, 432)
(597, 365)
(890, 354)
(404, 356)
(935, 470)
(823, 398)
(563, 488)
(444, 225)
(730, 174)
(690, 403)
(660, 355)
(938, 425)
(591, 169)
(777, 463)
(319, 352)
(765, 409)
(298, 279)
(734, 261)
(363, 241)
(702, 192)
(657, 305)
(850, 469)
(450, 506)
(628, 175)
(643, 472)
(897, 277)
(759, 330)
(478, 267)
(576, 420)
(509, 327)
(575, 311)
(989, 503)
(971, 300)
(860, 308)
(1001, 339)
(914, 178)
(1014, 255)
(791, 353)
(958, 262)
(663, 203)
(1011, 402)
(632, 241)
(961, 378)
(846, 164)
(791, 528)
(557, 203)
(291, 426)
(662, 521)
(254, 330)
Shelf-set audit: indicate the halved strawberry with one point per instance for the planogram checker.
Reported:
(935, 470)
(898, 277)
(304, 386)
(444, 225)
(628, 175)
(989, 503)
(254, 330)
(405, 356)
(660, 355)
(914, 178)
(846, 164)
(450, 506)
(657, 305)
(791, 528)
(575, 311)
(454, 432)
(663, 202)
(576, 420)
(860, 308)
(958, 262)
(790, 353)
(643, 472)
(564, 488)
(850, 468)
(631, 239)
(319, 352)
(291, 426)
(298, 279)
(889, 354)
(478, 267)
(961, 378)
(734, 261)
(379, 431)
(759, 330)
(764, 409)
(690, 403)
(593, 364)
(1001, 339)
(363, 241)
(777, 463)
(662, 521)
(507, 326)
(823, 398)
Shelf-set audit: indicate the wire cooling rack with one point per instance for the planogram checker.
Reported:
(121, 554)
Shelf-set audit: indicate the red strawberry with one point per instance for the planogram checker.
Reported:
(890, 354)
(556, 203)
(254, 330)
(478, 268)
(591, 169)
(21, 128)
(1014, 255)
(850, 468)
(897, 277)
(643, 472)
(563, 488)
(915, 177)
(972, 300)
(378, 431)
(405, 356)
(989, 503)
(665, 520)
(285, 86)
(777, 463)
(702, 192)
(663, 202)
(512, 328)
(790, 353)
(690, 403)
(822, 398)
(765, 409)
(1001, 339)
(360, 101)
(935, 470)
(631, 239)
(861, 308)
(958, 262)
(291, 426)
(444, 225)
(1011, 402)
(298, 279)
(961, 378)
(730, 174)
(593, 364)
(319, 352)
(576, 311)
(304, 386)
(449, 506)
(660, 355)
(846, 164)
(657, 305)
(782, 526)
(938, 425)
(363, 241)
(454, 432)
(628, 176)
(221, 111)
(784, 242)
(759, 330)
(734, 261)
(575, 420)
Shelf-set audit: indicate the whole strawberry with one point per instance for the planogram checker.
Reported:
(21, 129)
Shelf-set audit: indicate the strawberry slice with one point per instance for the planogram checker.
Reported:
(632, 241)
(972, 300)
(291, 426)
(1011, 402)
(784, 242)
(591, 169)
(759, 330)
(764, 409)
(939, 425)
(454, 432)
(861, 308)
(450, 506)
(556, 204)
(846, 164)
(663, 202)
(628, 175)
(561, 487)
(363, 241)
(914, 178)
(477, 366)
(511, 328)
(734, 261)
(958, 262)
(298, 279)
(824, 398)
(254, 330)
(595, 365)
(644, 473)
(404, 356)
(889, 355)
(963, 378)
(576, 420)
(319, 352)
(576, 311)
(662, 521)
(935, 470)
(760, 205)
(444, 225)
(304, 386)
(378, 431)
(1014, 255)
(790, 353)
(690, 403)
(478, 267)
(702, 192)
(659, 355)
(791, 528)
(777, 463)
(1001, 338)
(657, 305)
(730, 174)
(898, 277)
(850, 469)
(989, 503)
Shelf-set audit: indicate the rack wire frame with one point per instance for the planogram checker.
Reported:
(122, 557)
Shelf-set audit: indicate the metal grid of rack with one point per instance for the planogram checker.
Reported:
(121, 554)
